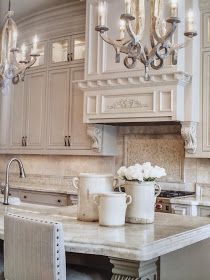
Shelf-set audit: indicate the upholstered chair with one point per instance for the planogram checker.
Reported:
(34, 250)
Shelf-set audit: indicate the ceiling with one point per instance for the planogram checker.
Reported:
(24, 8)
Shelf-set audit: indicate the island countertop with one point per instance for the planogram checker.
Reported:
(132, 242)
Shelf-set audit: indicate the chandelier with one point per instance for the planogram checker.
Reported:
(151, 51)
(13, 62)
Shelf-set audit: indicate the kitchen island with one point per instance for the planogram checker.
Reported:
(146, 252)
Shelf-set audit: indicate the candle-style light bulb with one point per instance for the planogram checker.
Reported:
(35, 44)
(122, 29)
(190, 21)
(174, 8)
(15, 35)
(23, 52)
(128, 6)
(101, 13)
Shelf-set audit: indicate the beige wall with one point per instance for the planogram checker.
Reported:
(162, 145)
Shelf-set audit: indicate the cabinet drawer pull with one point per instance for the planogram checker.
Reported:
(25, 197)
(23, 141)
(66, 141)
(69, 141)
(59, 201)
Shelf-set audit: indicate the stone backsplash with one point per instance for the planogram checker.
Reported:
(160, 144)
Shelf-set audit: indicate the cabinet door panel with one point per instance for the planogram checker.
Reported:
(35, 89)
(5, 103)
(206, 102)
(78, 130)
(18, 113)
(58, 107)
(204, 211)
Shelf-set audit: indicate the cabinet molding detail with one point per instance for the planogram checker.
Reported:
(189, 134)
(134, 270)
(177, 78)
(95, 132)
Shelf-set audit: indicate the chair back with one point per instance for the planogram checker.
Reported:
(33, 249)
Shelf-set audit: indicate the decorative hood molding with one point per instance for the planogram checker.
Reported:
(157, 79)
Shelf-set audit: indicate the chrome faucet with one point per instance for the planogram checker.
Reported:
(22, 175)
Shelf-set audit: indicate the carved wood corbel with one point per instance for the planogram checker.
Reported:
(95, 132)
(189, 134)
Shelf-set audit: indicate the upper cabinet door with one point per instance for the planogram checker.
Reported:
(78, 130)
(78, 48)
(206, 30)
(58, 108)
(60, 51)
(35, 89)
(18, 116)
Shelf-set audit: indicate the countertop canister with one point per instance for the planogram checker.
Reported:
(89, 184)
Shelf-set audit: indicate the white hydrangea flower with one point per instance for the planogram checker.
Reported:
(145, 172)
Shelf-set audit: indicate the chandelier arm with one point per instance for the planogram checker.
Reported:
(131, 33)
(170, 33)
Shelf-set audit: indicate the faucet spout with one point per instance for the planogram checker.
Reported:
(22, 175)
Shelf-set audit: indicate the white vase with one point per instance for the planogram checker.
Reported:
(142, 208)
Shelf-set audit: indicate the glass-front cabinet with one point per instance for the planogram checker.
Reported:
(67, 50)
(60, 51)
(78, 47)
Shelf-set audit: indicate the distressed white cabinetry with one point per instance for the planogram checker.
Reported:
(58, 108)
(44, 114)
(28, 113)
(203, 150)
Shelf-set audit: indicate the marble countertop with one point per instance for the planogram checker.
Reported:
(134, 242)
(192, 200)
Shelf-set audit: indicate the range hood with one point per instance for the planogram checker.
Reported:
(114, 94)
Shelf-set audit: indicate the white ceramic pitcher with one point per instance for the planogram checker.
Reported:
(112, 207)
(89, 184)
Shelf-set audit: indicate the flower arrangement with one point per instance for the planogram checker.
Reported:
(141, 173)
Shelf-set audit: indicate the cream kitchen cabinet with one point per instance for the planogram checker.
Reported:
(65, 128)
(27, 123)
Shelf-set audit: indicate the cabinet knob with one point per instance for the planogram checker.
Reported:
(25, 197)
(59, 201)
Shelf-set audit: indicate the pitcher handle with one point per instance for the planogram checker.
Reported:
(128, 199)
(75, 182)
(158, 188)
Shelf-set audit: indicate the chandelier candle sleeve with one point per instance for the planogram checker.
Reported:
(190, 21)
(101, 13)
(128, 7)
(174, 8)
(35, 44)
(122, 29)
(23, 52)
